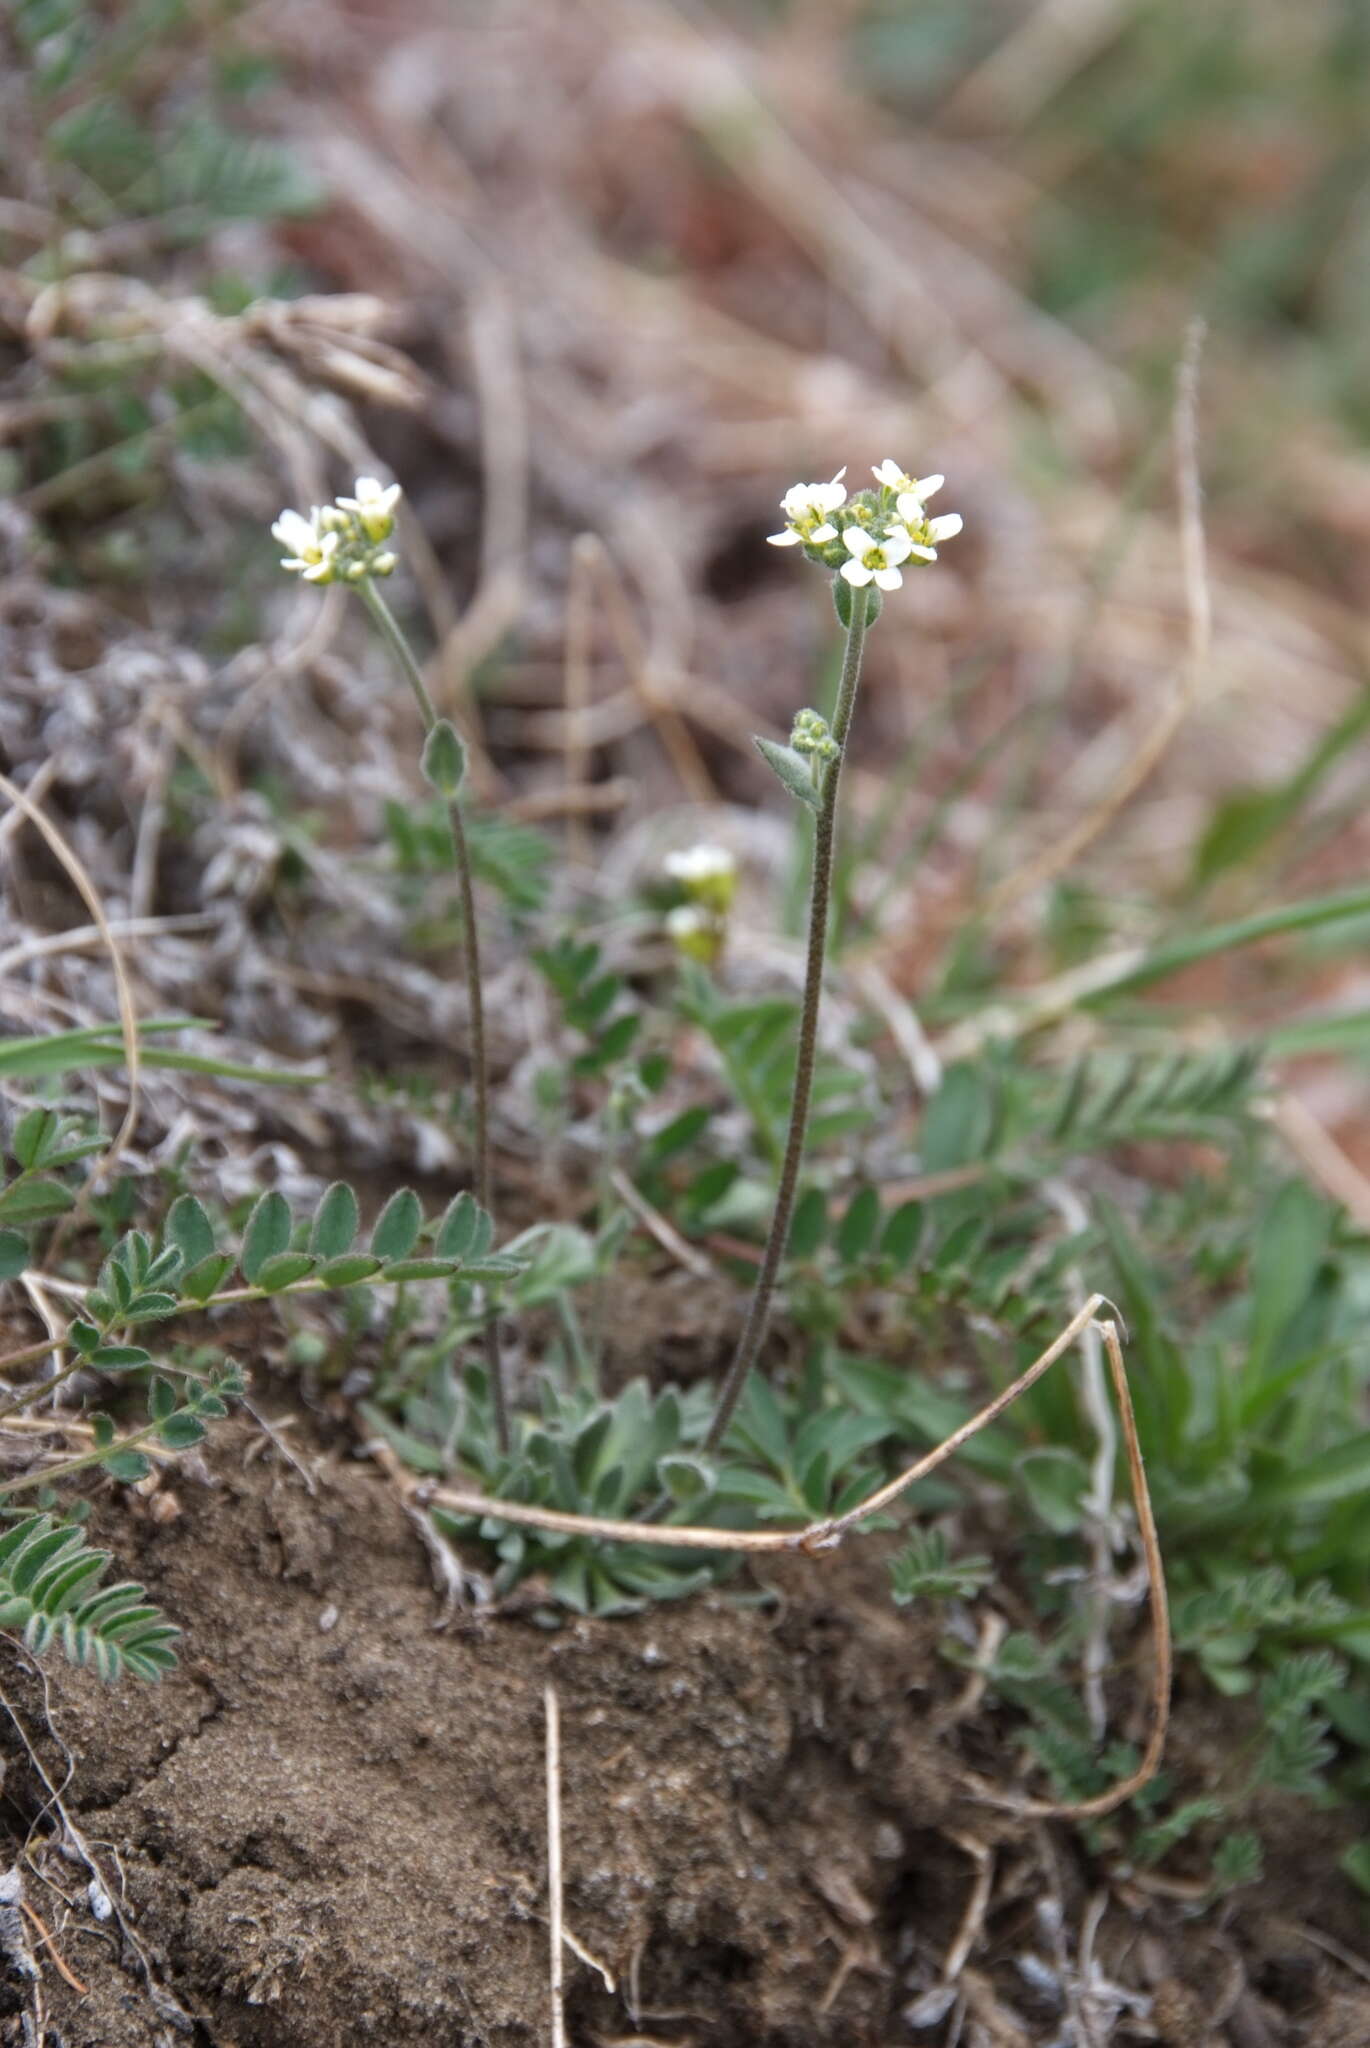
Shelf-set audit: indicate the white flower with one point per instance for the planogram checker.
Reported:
(892, 478)
(876, 560)
(707, 874)
(695, 932)
(372, 496)
(311, 549)
(806, 507)
(930, 531)
(373, 505)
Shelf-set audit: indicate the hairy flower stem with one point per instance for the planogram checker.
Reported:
(390, 632)
(825, 835)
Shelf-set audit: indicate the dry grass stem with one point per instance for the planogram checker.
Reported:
(45, 1936)
(1162, 1652)
(817, 1536)
(80, 879)
(1145, 756)
(576, 683)
(1321, 1156)
(650, 685)
(656, 1225)
(825, 1535)
(552, 1711)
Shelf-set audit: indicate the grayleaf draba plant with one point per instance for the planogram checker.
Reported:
(866, 540)
(347, 542)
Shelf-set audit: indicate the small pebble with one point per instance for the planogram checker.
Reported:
(328, 1619)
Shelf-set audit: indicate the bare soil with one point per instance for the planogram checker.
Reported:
(329, 1824)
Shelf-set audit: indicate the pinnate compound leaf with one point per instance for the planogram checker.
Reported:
(49, 1588)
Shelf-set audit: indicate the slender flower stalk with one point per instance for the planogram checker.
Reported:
(390, 632)
(346, 542)
(825, 837)
(866, 541)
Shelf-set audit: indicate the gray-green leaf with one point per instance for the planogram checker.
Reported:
(792, 768)
(444, 758)
(397, 1226)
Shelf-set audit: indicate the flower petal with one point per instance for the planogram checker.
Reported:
(788, 539)
(898, 544)
(947, 527)
(857, 542)
(888, 579)
(927, 485)
(293, 530)
(923, 554)
(856, 573)
(821, 535)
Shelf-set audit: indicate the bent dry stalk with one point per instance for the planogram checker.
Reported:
(345, 543)
(866, 540)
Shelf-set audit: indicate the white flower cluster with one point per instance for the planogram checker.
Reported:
(880, 529)
(707, 878)
(343, 542)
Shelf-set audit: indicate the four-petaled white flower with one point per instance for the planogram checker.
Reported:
(371, 496)
(874, 558)
(311, 549)
(373, 504)
(806, 507)
(930, 531)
